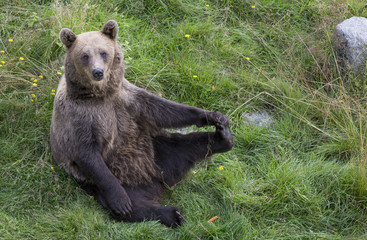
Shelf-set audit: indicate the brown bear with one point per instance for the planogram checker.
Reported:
(111, 135)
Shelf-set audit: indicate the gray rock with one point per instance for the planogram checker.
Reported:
(260, 119)
(350, 43)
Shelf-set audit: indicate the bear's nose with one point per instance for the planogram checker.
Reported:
(98, 74)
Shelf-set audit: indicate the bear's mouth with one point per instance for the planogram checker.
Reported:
(98, 74)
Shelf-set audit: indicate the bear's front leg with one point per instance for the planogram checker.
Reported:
(117, 200)
(110, 193)
(167, 114)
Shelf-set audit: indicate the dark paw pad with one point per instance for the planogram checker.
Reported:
(226, 138)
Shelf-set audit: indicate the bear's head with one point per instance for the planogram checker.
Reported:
(94, 61)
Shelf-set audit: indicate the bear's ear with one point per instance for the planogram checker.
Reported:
(67, 37)
(111, 29)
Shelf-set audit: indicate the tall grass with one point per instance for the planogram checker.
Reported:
(303, 177)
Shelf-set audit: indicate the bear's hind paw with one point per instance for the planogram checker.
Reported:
(171, 217)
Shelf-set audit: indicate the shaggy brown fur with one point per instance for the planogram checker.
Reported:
(109, 134)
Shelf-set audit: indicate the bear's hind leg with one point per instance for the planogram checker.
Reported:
(169, 216)
(176, 154)
(145, 206)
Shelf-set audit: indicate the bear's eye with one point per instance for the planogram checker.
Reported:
(104, 55)
(85, 58)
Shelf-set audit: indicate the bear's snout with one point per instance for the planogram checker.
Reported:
(98, 74)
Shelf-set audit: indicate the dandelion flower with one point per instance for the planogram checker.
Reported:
(10, 40)
(59, 73)
(187, 35)
(252, 6)
(52, 168)
(2, 51)
(53, 90)
(32, 100)
(195, 76)
(40, 76)
(1, 65)
(35, 80)
(21, 58)
(207, 5)
(53, 94)
(221, 168)
(33, 95)
(35, 84)
(3, 62)
(248, 59)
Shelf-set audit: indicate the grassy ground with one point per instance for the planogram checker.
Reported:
(302, 178)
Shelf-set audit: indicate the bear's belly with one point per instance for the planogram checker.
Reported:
(131, 156)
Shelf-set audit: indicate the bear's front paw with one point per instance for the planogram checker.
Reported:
(119, 202)
(219, 120)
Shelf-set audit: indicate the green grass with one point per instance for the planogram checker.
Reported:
(304, 177)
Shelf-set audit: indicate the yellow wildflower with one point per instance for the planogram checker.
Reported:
(3, 62)
(248, 59)
(195, 76)
(187, 35)
(2, 51)
(53, 90)
(252, 6)
(35, 84)
(40, 76)
(35, 80)
(221, 168)
(1, 65)
(21, 58)
(91, 197)
(59, 73)
(52, 168)
(10, 40)
(33, 95)
(207, 5)
(32, 100)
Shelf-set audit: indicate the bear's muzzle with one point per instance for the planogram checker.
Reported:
(98, 74)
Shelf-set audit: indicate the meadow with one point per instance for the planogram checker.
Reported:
(302, 177)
